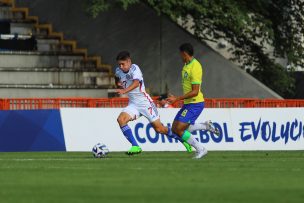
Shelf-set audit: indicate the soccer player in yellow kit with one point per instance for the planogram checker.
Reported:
(184, 122)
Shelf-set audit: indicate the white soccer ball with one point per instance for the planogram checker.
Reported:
(100, 150)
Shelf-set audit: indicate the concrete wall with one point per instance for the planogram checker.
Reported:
(36, 60)
(34, 77)
(153, 42)
(58, 78)
(28, 61)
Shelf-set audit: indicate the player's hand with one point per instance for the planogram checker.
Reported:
(119, 84)
(171, 99)
(120, 91)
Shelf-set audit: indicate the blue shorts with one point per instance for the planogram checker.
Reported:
(189, 112)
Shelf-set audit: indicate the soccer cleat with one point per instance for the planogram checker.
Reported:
(188, 147)
(212, 128)
(134, 150)
(200, 153)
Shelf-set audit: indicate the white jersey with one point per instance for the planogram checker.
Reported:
(137, 96)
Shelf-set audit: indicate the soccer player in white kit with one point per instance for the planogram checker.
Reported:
(130, 79)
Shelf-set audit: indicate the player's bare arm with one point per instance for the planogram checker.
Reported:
(134, 85)
(118, 82)
(195, 90)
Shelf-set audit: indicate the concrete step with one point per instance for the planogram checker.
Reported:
(27, 59)
(15, 14)
(48, 86)
(34, 92)
(42, 60)
(22, 28)
(47, 45)
(49, 69)
(5, 13)
(55, 78)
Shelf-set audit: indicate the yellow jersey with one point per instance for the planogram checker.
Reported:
(192, 74)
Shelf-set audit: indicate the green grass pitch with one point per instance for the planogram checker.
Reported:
(152, 177)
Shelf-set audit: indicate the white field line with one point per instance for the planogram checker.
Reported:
(88, 159)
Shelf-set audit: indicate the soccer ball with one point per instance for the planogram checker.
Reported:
(100, 150)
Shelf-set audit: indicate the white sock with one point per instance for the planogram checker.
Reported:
(198, 126)
(192, 141)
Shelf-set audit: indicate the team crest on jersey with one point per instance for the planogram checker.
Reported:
(185, 75)
(129, 77)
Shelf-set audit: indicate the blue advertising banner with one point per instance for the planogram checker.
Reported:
(31, 130)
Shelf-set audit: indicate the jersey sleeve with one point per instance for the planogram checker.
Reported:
(137, 75)
(196, 74)
(117, 75)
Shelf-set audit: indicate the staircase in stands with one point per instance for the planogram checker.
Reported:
(37, 61)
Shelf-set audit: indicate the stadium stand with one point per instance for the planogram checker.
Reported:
(36, 61)
(153, 42)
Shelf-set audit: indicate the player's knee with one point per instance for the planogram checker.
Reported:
(177, 131)
(122, 120)
(159, 129)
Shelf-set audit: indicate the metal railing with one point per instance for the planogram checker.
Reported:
(56, 103)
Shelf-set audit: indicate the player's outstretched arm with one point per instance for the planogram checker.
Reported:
(134, 85)
(193, 93)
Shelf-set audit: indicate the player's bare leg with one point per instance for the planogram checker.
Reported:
(180, 128)
(123, 120)
(160, 128)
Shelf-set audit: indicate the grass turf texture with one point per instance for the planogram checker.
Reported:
(152, 177)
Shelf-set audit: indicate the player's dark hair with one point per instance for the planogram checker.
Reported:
(123, 55)
(187, 47)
